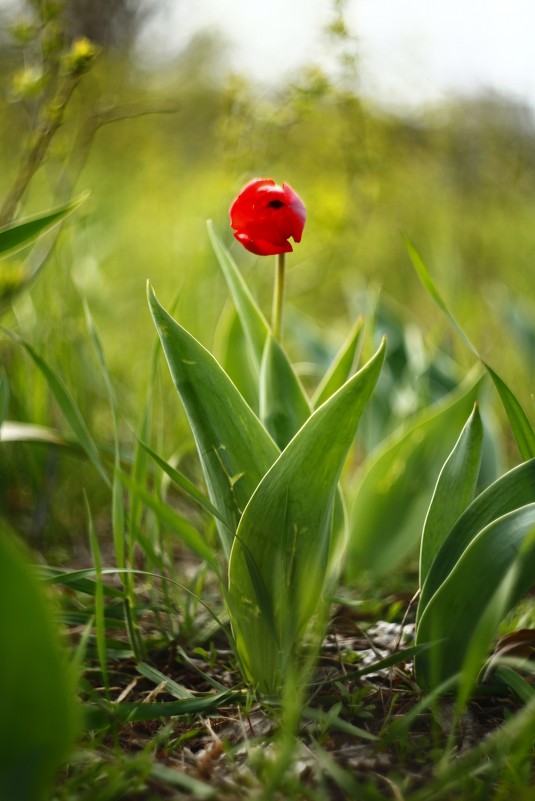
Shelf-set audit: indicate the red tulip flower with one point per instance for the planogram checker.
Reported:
(264, 216)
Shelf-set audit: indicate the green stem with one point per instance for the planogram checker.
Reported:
(278, 296)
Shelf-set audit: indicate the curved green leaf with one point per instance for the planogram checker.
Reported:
(255, 325)
(285, 531)
(454, 491)
(68, 407)
(38, 709)
(234, 448)
(455, 610)
(284, 406)
(511, 491)
(340, 368)
(397, 482)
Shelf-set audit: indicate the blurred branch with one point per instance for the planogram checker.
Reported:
(98, 119)
(38, 151)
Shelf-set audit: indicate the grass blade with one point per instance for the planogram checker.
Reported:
(520, 425)
(68, 407)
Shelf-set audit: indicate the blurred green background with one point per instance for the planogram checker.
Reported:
(163, 150)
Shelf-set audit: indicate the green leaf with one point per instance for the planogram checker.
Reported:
(236, 357)
(181, 481)
(454, 491)
(340, 367)
(157, 677)
(516, 683)
(283, 402)
(286, 530)
(68, 407)
(11, 431)
(100, 620)
(38, 708)
(520, 425)
(254, 324)
(15, 236)
(234, 448)
(511, 491)
(397, 481)
(97, 717)
(175, 522)
(457, 607)
(4, 398)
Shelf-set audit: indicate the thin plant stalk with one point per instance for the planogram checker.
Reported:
(278, 296)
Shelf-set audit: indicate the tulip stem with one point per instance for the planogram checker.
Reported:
(278, 296)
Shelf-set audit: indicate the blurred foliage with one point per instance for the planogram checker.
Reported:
(161, 151)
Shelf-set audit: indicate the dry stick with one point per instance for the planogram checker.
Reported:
(38, 151)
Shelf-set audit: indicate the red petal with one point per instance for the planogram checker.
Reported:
(262, 247)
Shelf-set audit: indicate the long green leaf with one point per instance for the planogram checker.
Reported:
(100, 621)
(521, 427)
(286, 529)
(454, 491)
(455, 610)
(255, 325)
(187, 533)
(511, 491)
(397, 481)
(184, 484)
(15, 236)
(340, 367)
(68, 407)
(4, 397)
(283, 403)
(234, 448)
(39, 717)
(97, 717)
(12, 431)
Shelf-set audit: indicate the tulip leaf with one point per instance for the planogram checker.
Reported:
(38, 708)
(255, 325)
(454, 491)
(234, 448)
(397, 482)
(340, 368)
(17, 235)
(458, 606)
(511, 491)
(521, 427)
(283, 402)
(286, 531)
(236, 357)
